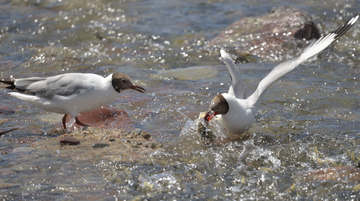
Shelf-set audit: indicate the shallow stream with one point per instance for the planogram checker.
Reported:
(308, 120)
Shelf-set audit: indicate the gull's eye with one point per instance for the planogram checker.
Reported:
(122, 81)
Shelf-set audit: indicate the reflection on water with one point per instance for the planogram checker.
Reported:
(308, 119)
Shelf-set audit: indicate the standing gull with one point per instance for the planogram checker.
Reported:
(71, 93)
(236, 112)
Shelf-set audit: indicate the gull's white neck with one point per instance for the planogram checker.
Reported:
(240, 116)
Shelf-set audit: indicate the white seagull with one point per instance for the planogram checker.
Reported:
(71, 93)
(236, 112)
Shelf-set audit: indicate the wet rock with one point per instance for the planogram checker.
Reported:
(136, 133)
(270, 35)
(153, 145)
(69, 141)
(106, 117)
(350, 173)
(141, 133)
(145, 135)
(99, 145)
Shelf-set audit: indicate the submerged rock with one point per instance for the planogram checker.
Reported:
(270, 35)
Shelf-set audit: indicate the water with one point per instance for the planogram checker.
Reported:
(308, 119)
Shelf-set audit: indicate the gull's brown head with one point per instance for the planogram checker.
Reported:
(120, 82)
(218, 105)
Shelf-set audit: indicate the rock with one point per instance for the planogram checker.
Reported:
(350, 173)
(145, 135)
(69, 141)
(99, 145)
(270, 35)
(152, 144)
(137, 132)
(106, 117)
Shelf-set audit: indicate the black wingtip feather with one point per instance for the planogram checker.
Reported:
(8, 82)
(11, 83)
(344, 28)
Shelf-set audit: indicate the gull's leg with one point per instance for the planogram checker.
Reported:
(64, 121)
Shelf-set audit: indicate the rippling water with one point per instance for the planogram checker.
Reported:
(310, 114)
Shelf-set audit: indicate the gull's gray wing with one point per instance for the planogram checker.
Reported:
(287, 66)
(20, 85)
(24, 83)
(61, 85)
(237, 87)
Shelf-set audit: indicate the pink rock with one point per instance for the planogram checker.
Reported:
(279, 31)
(106, 117)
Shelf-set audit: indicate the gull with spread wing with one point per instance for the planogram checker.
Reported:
(236, 112)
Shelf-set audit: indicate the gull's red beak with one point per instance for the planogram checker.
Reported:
(211, 114)
(138, 88)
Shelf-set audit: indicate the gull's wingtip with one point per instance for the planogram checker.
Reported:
(224, 54)
(354, 19)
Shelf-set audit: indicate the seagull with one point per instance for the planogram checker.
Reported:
(71, 93)
(235, 111)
